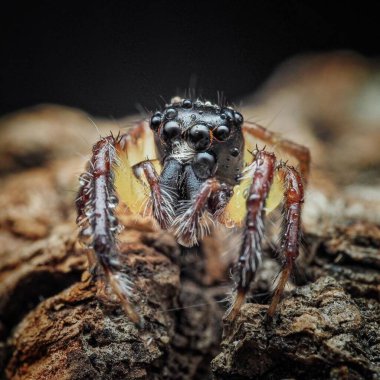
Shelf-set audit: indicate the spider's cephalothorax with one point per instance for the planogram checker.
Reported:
(193, 164)
(196, 142)
(202, 135)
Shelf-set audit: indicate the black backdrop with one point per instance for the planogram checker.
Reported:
(108, 56)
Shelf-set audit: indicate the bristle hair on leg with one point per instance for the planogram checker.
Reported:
(261, 173)
(96, 204)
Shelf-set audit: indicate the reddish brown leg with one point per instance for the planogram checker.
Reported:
(250, 254)
(291, 231)
(300, 152)
(95, 205)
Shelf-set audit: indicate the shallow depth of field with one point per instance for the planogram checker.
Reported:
(52, 326)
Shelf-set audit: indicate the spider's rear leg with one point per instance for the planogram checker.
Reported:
(300, 152)
(96, 203)
(290, 236)
(264, 168)
(261, 171)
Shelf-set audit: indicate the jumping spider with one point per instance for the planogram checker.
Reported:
(198, 161)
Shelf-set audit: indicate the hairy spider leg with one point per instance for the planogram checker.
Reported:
(183, 217)
(188, 225)
(300, 152)
(235, 211)
(262, 172)
(96, 203)
(164, 198)
(291, 230)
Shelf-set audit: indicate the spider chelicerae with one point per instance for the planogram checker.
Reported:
(195, 162)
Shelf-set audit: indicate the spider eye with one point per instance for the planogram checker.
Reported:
(238, 118)
(221, 133)
(226, 114)
(155, 121)
(187, 103)
(198, 137)
(171, 130)
(170, 113)
(204, 165)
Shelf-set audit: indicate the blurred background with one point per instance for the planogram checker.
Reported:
(306, 71)
(112, 58)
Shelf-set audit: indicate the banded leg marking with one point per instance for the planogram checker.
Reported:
(291, 233)
(96, 203)
(262, 172)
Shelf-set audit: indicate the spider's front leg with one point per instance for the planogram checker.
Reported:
(96, 203)
(164, 196)
(189, 225)
(262, 172)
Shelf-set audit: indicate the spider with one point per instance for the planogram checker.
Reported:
(198, 162)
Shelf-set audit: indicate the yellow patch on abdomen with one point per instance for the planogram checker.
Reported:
(138, 147)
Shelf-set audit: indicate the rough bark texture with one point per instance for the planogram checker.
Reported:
(326, 329)
(53, 325)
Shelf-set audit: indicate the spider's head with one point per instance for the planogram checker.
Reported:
(201, 134)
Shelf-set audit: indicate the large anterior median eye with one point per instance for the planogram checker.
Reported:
(199, 137)
(171, 130)
(221, 133)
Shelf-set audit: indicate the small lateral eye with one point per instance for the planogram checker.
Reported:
(238, 118)
(170, 113)
(227, 114)
(171, 130)
(221, 133)
(187, 103)
(155, 121)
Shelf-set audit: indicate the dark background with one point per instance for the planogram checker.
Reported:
(109, 57)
